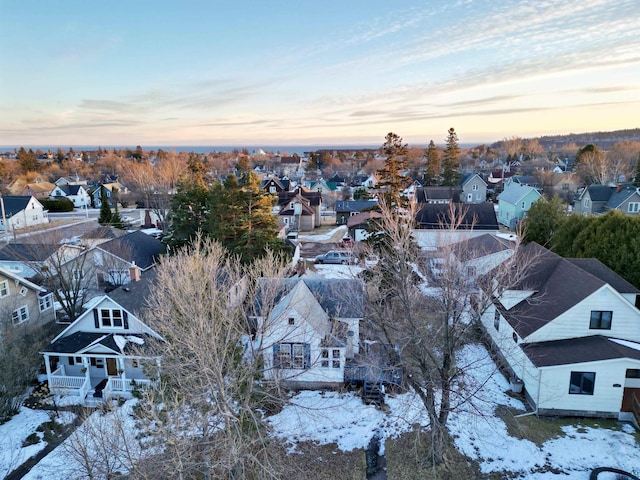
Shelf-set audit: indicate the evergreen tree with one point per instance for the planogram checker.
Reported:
(116, 219)
(636, 179)
(28, 161)
(432, 174)
(105, 209)
(451, 160)
(543, 220)
(189, 213)
(392, 178)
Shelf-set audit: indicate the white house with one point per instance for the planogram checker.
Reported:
(102, 353)
(21, 211)
(570, 330)
(76, 193)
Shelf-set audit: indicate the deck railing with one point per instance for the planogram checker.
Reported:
(371, 373)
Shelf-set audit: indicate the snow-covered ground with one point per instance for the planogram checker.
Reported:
(342, 418)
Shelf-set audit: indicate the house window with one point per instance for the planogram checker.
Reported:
(523, 205)
(634, 207)
(586, 202)
(496, 319)
(110, 318)
(335, 356)
(582, 383)
(46, 302)
(600, 320)
(292, 321)
(633, 373)
(74, 360)
(292, 355)
(4, 288)
(515, 337)
(475, 188)
(324, 358)
(24, 291)
(20, 315)
(471, 271)
(135, 363)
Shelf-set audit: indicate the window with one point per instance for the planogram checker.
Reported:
(582, 383)
(600, 320)
(471, 271)
(4, 288)
(634, 207)
(523, 205)
(292, 355)
(24, 291)
(633, 373)
(46, 302)
(20, 315)
(475, 188)
(496, 319)
(74, 360)
(335, 358)
(324, 356)
(292, 321)
(110, 318)
(97, 362)
(515, 337)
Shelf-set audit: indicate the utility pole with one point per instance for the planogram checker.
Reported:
(4, 220)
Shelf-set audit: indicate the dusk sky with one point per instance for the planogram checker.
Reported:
(331, 72)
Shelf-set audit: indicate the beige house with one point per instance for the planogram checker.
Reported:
(23, 301)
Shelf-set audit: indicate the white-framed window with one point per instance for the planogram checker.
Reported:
(24, 291)
(330, 358)
(582, 383)
(4, 288)
(600, 320)
(111, 318)
(20, 315)
(634, 207)
(46, 302)
(292, 355)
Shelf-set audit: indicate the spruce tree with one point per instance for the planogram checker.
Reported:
(392, 177)
(432, 173)
(451, 160)
(105, 209)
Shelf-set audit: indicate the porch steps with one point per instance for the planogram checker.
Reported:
(372, 393)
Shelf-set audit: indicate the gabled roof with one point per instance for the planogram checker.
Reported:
(557, 285)
(133, 296)
(514, 193)
(104, 232)
(24, 252)
(467, 177)
(355, 205)
(118, 343)
(580, 350)
(15, 203)
(339, 298)
(598, 193)
(481, 246)
(598, 269)
(315, 198)
(424, 194)
(362, 217)
(40, 187)
(141, 248)
(476, 216)
(70, 189)
(618, 197)
(21, 281)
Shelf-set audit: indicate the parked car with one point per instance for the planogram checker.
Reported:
(337, 257)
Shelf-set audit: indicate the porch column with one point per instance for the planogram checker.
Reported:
(47, 365)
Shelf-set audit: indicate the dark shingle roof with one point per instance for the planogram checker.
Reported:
(600, 193)
(140, 247)
(579, 350)
(424, 194)
(482, 245)
(598, 269)
(14, 204)
(22, 252)
(617, 198)
(133, 295)
(355, 205)
(478, 216)
(80, 340)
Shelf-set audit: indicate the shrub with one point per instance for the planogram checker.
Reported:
(58, 204)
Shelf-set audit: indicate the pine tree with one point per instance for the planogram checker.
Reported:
(451, 160)
(392, 178)
(636, 179)
(105, 209)
(432, 174)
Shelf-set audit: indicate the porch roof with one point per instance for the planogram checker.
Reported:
(580, 350)
(79, 341)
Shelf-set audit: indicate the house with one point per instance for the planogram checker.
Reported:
(100, 235)
(289, 165)
(323, 186)
(23, 301)
(76, 193)
(300, 209)
(107, 350)
(528, 180)
(312, 337)
(474, 188)
(122, 259)
(38, 190)
(514, 203)
(565, 185)
(110, 189)
(364, 181)
(625, 198)
(593, 199)
(27, 260)
(349, 208)
(276, 185)
(435, 195)
(358, 224)
(21, 211)
(439, 224)
(71, 180)
(570, 331)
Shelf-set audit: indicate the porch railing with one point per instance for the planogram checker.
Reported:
(63, 382)
(117, 385)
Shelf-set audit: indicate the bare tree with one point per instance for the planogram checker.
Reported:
(430, 314)
(207, 411)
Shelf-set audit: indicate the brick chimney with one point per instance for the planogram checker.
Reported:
(619, 188)
(134, 272)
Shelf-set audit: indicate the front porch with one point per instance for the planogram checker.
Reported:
(89, 387)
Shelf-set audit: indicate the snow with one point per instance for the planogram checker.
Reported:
(342, 418)
(121, 341)
(626, 343)
(324, 237)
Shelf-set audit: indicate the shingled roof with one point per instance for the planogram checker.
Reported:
(579, 350)
(476, 216)
(140, 247)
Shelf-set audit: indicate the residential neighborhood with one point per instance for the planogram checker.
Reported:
(557, 334)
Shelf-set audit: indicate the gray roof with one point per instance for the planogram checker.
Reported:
(133, 296)
(468, 176)
(482, 245)
(516, 192)
(598, 269)
(104, 232)
(579, 350)
(23, 252)
(140, 247)
(15, 204)
(424, 194)
(599, 193)
(70, 189)
(340, 298)
(76, 342)
(617, 198)
(558, 285)
(355, 205)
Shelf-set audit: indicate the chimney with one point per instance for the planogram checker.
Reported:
(619, 188)
(134, 272)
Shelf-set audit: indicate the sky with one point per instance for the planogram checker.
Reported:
(330, 72)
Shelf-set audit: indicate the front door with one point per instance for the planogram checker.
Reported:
(112, 367)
